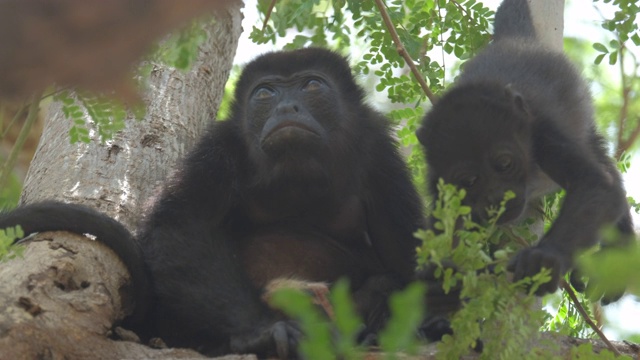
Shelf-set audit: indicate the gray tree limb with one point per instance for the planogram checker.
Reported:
(62, 297)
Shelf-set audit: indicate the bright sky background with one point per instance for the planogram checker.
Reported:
(581, 21)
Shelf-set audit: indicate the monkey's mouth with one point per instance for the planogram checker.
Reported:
(289, 130)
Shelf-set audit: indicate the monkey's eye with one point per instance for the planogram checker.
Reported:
(468, 181)
(312, 85)
(263, 92)
(503, 162)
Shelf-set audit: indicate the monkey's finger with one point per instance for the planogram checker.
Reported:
(513, 263)
(575, 279)
(515, 267)
(529, 262)
(550, 262)
(434, 328)
(281, 339)
(611, 297)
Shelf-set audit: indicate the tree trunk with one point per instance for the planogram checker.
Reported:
(62, 297)
(60, 300)
(548, 19)
(120, 176)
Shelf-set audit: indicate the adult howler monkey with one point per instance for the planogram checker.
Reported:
(302, 181)
(520, 118)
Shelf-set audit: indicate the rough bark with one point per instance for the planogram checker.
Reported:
(548, 19)
(61, 299)
(120, 176)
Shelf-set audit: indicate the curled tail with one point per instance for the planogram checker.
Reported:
(58, 216)
(513, 19)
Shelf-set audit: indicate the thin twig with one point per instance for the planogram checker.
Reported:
(522, 242)
(631, 139)
(567, 288)
(268, 15)
(624, 145)
(32, 116)
(463, 10)
(403, 52)
(441, 36)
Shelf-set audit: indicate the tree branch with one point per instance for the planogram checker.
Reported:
(60, 298)
(403, 52)
(567, 288)
(268, 16)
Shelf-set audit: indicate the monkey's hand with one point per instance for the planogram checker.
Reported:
(433, 328)
(279, 339)
(530, 261)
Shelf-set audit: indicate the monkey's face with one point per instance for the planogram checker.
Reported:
(290, 116)
(480, 141)
(486, 172)
(291, 125)
(299, 115)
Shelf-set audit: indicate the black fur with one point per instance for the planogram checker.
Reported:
(303, 181)
(520, 118)
(324, 195)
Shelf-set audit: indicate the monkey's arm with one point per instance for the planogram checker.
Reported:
(203, 294)
(394, 211)
(593, 198)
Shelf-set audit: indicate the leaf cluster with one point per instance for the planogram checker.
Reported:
(337, 338)
(496, 311)
(586, 352)
(624, 24)
(567, 319)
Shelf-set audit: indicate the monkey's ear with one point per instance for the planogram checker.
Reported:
(516, 99)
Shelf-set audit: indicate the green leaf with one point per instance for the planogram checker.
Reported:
(613, 58)
(407, 309)
(601, 48)
(317, 341)
(347, 322)
(9, 250)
